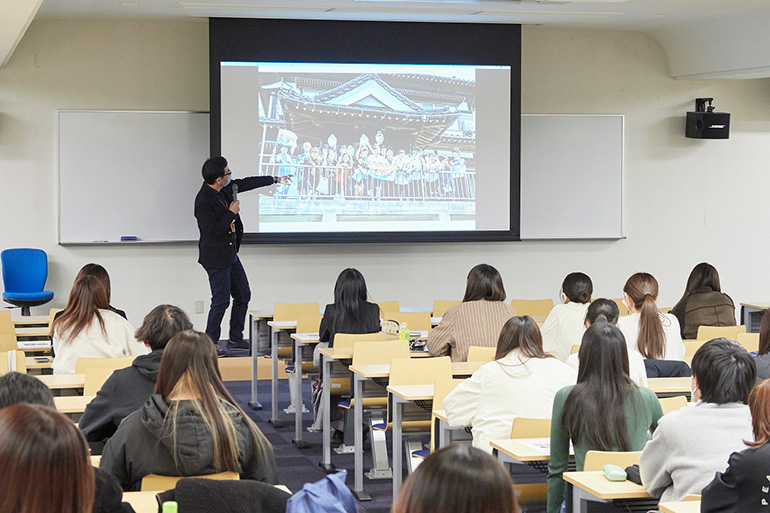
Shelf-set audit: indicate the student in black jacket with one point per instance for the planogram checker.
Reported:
(126, 390)
(221, 230)
(745, 486)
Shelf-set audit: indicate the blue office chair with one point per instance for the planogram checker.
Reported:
(24, 273)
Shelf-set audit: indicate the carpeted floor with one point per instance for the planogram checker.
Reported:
(299, 466)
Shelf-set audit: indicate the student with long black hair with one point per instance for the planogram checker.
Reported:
(476, 321)
(762, 360)
(563, 328)
(605, 411)
(350, 312)
(703, 302)
(521, 382)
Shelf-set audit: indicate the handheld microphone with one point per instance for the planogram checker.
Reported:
(235, 192)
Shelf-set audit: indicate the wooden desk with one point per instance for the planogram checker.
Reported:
(670, 386)
(33, 332)
(72, 404)
(679, 507)
(63, 381)
(299, 340)
(594, 487)
(30, 320)
(751, 314)
(255, 318)
(32, 362)
(142, 502)
(518, 451)
(275, 329)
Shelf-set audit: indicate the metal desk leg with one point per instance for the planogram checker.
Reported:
(274, 381)
(398, 449)
(326, 458)
(358, 417)
(298, 441)
(254, 404)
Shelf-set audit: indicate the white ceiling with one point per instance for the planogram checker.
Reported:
(701, 37)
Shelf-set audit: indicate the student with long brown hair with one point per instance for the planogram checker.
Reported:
(762, 361)
(44, 462)
(653, 334)
(741, 487)
(703, 302)
(89, 329)
(604, 411)
(101, 274)
(521, 382)
(457, 479)
(477, 320)
(191, 426)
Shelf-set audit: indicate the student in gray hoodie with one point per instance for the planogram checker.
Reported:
(126, 390)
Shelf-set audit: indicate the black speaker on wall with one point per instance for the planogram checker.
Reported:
(704, 123)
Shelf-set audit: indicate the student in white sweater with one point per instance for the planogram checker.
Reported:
(691, 444)
(89, 329)
(656, 336)
(564, 326)
(606, 311)
(521, 382)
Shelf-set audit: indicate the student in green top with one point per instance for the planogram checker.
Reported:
(604, 411)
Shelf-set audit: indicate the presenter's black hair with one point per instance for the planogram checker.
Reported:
(578, 287)
(213, 168)
(725, 372)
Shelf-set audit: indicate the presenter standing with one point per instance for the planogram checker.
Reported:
(221, 230)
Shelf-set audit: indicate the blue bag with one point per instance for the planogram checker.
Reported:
(329, 495)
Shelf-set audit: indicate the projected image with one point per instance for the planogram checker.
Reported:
(370, 147)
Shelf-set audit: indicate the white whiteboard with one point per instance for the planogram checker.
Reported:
(571, 177)
(130, 173)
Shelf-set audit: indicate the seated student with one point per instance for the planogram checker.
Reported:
(100, 273)
(703, 303)
(191, 426)
(126, 390)
(564, 326)
(89, 329)
(16, 388)
(691, 444)
(476, 321)
(20, 388)
(44, 462)
(521, 382)
(606, 310)
(762, 360)
(653, 334)
(605, 411)
(457, 479)
(742, 486)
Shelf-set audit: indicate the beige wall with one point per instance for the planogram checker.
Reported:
(685, 201)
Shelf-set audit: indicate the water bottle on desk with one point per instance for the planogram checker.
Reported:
(403, 332)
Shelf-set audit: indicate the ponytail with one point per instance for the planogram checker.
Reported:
(652, 341)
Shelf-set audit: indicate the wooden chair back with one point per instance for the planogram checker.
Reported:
(373, 352)
(293, 311)
(158, 483)
(523, 427)
(7, 332)
(532, 307)
(415, 321)
(712, 332)
(691, 497)
(308, 323)
(622, 308)
(596, 460)
(669, 404)
(575, 349)
(82, 364)
(440, 306)
(350, 339)
(665, 309)
(419, 371)
(481, 354)
(94, 378)
(13, 361)
(388, 307)
(750, 341)
(691, 346)
(441, 390)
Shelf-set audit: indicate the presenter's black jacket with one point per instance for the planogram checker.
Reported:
(124, 392)
(218, 242)
(743, 487)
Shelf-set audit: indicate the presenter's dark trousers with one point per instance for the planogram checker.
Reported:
(226, 282)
